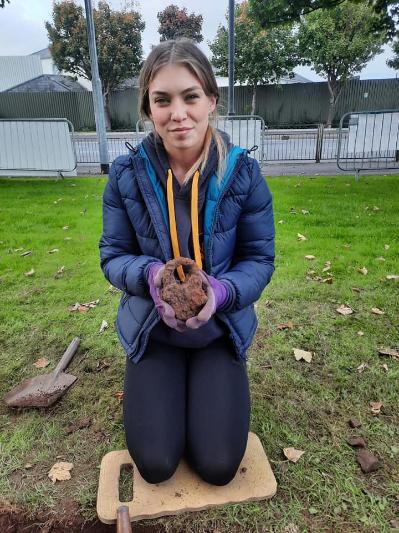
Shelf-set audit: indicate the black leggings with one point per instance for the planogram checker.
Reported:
(192, 402)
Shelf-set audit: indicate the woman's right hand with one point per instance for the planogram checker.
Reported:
(166, 312)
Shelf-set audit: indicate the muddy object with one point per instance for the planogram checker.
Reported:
(367, 461)
(46, 389)
(356, 442)
(354, 423)
(187, 298)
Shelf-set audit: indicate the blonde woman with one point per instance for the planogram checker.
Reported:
(186, 191)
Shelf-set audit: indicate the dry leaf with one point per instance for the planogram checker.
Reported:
(60, 471)
(377, 311)
(360, 333)
(386, 246)
(380, 258)
(30, 273)
(293, 454)
(67, 238)
(385, 367)
(304, 211)
(60, 271)
(376, 408)
(344, 310)
(310, 257)
(301, 237)
(303, 354)
(356, 289)
(18, 249)
(388, 351)
(362, 367)
(83, 308)
(393, 276)
(375, 208)
(327, 266)
(347, 245)
(53, 251)
(119, 396)
(26, 253)
(363, 271)
(280, 222)
(65, 227)
(286, 325)
(104, 326)
(28, 465)
(41, 363)
(327, 280)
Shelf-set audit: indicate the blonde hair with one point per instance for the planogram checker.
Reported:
(185, 52)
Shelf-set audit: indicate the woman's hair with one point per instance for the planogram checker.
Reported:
(184, 52)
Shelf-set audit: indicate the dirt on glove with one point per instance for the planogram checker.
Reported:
(187, 298)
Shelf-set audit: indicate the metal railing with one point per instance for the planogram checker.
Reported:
(369, 140)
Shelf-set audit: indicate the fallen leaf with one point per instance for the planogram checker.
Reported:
(376, 408)
(65, 227)
(385, 367)
(327, 267)
(30, 273)
(377, 311)
(28, 465)
(344, 310)
(114, 290)
(60, 471)
(83, 308)
(53, 251)
(41, 363)
(293, 454)
(360, 333)
(380, 258)
(18, 249)
(104, 326)
(101, 365)
(304, 211)
(280, 222)
(80, 424)
(60, 271)
(375, 208)
(26, 253)
(393, 276)
(362, 367)
(67, 238)
(347, 245)
(310, 257)
(363, 271)
(386, 246)
(301, 237)
(388, 351)
(286, 325)
(119, 396)
(302, 354)
(356, 289)
(327, 280)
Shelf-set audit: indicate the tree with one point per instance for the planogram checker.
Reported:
(270, 12)
(175, 23)
(261, 56)
(2, 2)
(338, 43)
(394, 62)
(118, 40)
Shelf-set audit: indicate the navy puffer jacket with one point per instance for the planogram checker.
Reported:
(238, 242)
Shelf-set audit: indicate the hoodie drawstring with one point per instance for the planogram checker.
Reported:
(194, 221)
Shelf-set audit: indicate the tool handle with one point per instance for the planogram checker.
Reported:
(68, 355)
(123, 524)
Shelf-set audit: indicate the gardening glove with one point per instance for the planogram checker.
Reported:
(218, 295)
(166, 312)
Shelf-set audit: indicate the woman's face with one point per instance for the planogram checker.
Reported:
(179, 108)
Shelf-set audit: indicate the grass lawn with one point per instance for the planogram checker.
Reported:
(297, 404)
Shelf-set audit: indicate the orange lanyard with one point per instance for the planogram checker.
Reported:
(194, 221)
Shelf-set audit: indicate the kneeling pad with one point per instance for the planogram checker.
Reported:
(185, 490)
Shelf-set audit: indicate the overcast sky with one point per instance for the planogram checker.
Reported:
(22, 29)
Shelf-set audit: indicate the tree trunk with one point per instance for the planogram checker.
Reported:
(334, 87)
(107, 114)
(253, 106)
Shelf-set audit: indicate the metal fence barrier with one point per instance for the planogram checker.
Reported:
(36, 147)
(369, 140)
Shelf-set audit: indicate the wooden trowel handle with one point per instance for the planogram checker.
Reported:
(68, 355)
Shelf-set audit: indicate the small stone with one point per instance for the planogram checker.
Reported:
(354, 423)
(367, 461)
(356, 442)
(243, 470)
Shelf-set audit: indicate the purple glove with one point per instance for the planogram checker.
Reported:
(166, 312)
(218, 295)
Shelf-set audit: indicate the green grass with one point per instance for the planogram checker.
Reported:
(294, 403)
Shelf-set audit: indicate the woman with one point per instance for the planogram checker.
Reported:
(186, 191)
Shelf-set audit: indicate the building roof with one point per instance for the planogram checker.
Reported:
(48, 83)
(15, 70)
(44, 53)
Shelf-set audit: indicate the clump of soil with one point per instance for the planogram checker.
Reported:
(187, 298)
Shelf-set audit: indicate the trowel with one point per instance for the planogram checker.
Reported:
(43, 391)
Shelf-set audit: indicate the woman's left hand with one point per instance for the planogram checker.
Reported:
(217, 294)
